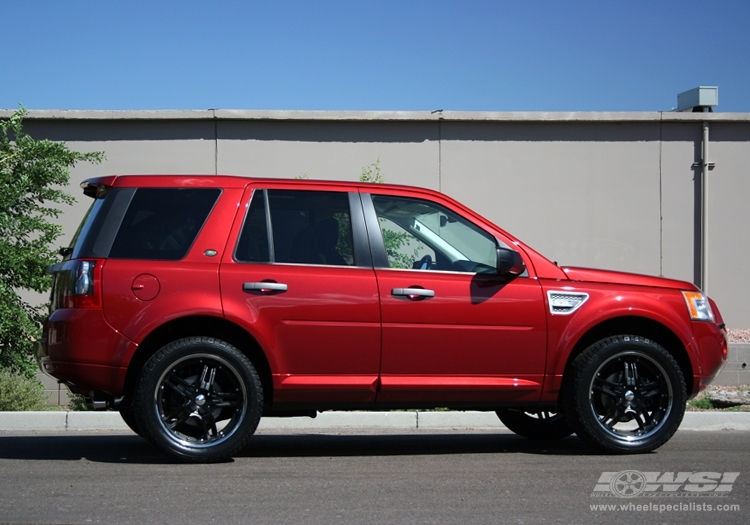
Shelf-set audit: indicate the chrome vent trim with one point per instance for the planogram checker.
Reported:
(562, 302)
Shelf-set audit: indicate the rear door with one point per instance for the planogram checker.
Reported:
(300, 279)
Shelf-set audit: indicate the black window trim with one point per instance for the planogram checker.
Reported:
(269, 226)
(375, 237)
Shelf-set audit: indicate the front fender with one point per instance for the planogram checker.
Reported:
(607, 302)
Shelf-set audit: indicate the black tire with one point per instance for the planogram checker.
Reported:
(198, 399)
(128, 416)
(540, 424)
(625, 395)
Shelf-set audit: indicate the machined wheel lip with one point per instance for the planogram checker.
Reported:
(176, 436)
(630, 437)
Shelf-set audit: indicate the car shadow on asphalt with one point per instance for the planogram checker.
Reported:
(128, 448)
(120, 448)
(319, 445)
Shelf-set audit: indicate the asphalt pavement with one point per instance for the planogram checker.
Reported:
(383, 476)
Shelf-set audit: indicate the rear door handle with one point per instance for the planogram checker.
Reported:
(413, 293)
(264, 287)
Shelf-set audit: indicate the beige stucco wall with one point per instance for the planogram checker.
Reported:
(591, 189)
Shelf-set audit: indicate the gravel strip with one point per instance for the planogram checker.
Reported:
(739, 335)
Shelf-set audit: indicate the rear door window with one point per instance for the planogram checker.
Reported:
(308, 227)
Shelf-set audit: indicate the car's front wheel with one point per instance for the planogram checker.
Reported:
(199, 399)
(540, 424)
(625, 394)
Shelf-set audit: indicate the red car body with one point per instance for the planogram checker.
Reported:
(356, 335)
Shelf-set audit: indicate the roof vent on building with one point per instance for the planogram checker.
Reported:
(698, 100)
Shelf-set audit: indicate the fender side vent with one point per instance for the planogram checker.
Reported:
(565, 303)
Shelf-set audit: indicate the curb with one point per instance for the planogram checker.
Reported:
(111, 421)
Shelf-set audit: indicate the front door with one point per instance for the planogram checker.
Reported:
(453, 330)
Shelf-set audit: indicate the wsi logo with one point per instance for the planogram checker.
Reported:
(632, 483)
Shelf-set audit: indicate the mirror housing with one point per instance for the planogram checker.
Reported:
(509, 262)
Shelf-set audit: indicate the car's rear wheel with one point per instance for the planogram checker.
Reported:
(625, 394)
(199, 399)
(540, 424)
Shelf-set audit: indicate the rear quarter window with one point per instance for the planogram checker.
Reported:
(148, 223)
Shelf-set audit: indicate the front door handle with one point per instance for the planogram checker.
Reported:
(265, 288)
(413, 293)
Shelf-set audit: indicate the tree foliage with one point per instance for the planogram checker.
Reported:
(372, 173)
(33, 174)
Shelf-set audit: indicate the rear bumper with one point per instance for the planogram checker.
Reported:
(79, 348)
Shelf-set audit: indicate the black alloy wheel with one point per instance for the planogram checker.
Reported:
(199, 399)
(625, 394)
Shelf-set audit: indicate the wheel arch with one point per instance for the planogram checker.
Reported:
(633, 325)
(201, 326)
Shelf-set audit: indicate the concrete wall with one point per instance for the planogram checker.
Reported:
(611, 190)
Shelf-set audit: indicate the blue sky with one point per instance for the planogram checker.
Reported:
(378, 55)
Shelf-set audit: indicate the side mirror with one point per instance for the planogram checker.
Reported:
(509, 262)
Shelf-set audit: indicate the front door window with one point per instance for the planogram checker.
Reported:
(423, 235)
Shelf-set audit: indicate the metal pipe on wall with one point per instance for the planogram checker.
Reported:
(704, 210)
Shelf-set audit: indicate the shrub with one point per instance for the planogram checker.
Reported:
(20, 393)
(704, 403)
(77, 402)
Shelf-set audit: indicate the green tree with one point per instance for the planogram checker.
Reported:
(33, 174)
(372, 173)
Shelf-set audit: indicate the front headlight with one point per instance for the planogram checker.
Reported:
(698, 306)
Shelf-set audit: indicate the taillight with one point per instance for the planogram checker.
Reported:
(83, 288)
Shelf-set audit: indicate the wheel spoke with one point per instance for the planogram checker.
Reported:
(225, 400)
(607, 388)
(207, 383)
(631, 373)
(612, 417)
(179, 385)
(208, 426)
(643, 418)
(178, 417)
(650, 389)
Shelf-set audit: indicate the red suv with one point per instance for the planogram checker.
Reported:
(196, 304)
